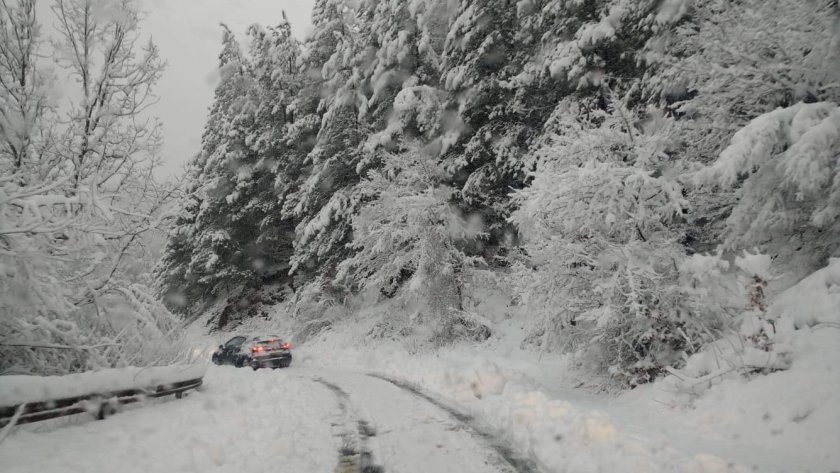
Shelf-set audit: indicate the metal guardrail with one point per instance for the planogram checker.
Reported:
(100, 405)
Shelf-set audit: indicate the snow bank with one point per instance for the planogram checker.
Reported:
(19, 389)
(784, 421)
(567, 433)
(505, 388)
(814, 301)
(241, 421)
(794, 413)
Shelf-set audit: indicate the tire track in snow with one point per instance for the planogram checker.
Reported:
(505, 451)
(355, 454)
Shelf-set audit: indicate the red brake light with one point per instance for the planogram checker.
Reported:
(257, 348)
(286, 346)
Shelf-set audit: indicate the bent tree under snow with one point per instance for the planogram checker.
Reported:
(79, 207)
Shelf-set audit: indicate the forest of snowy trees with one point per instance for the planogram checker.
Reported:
(635, 173)
(635, 170)
(80, 210)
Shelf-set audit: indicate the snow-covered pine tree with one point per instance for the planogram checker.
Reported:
(488, 124)
(274, 56)
(174, 287)
(321, 204)
(785, 166)
(506, 65)
(217, 264)
(720, 67)
(232, 234)
(379, 52)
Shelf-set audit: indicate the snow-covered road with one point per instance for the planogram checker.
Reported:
(296, 419)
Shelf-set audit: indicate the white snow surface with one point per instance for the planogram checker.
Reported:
(560, 428)
(702, 419)
(709, 418)
(268, 420)
(548, 413)
(240, 421)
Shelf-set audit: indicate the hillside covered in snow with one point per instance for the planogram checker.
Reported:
(601, 235)
(628, 178)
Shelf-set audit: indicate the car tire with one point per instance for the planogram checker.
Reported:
(255, 367)
(216, 360)
(239, 362)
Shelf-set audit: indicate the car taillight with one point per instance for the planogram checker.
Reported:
(257, 349)
(286, 346)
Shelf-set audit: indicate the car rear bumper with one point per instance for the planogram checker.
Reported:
(271, 360)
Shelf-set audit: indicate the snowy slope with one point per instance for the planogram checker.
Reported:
(560, 429)
(791, 416)
(703, 418)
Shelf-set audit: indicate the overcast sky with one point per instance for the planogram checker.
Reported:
(189, 37)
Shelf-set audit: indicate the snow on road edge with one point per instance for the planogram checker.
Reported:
(18, 389)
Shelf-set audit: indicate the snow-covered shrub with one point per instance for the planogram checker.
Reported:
(755, 328)
(795, 326)
(316, 302)
(464, 326)
(737, 293)
(598, 221)
(307, 330)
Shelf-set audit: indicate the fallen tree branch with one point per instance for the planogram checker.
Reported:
(12, 422)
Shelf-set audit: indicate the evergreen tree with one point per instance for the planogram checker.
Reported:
(232, 234)
(719, 69)
(322, 204)
(785, 165)
(204, 258)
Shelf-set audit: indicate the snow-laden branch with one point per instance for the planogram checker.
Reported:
(79, 207)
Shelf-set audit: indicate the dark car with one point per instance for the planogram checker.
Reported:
(232, 353)
(255, 351)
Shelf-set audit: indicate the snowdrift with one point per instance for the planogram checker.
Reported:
(17, 389)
